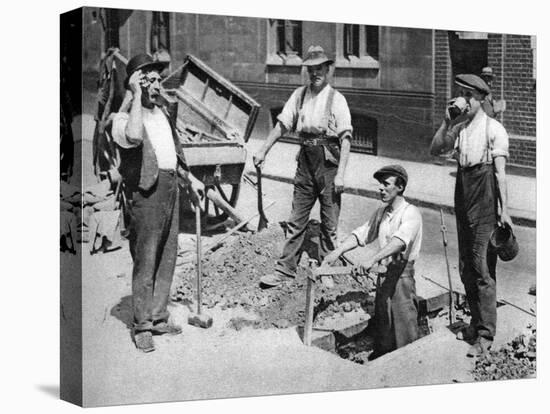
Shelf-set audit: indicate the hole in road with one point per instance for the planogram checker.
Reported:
(356, 343)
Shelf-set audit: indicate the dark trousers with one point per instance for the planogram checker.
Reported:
(475, 205)
(477, 266)
(314, 181)
(395, 319)
(154, 221)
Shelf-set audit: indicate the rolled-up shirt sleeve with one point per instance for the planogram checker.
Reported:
(341, 114)
(410, 225)
(500, 140)
(288, 115)
(368, 232)
(120, 121)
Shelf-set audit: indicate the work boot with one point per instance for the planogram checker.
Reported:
(481, 346)
(467, 334)
(274, 280)
(165, 328)
(144, 341)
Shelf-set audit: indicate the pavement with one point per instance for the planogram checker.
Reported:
(221, 362)
(430, 185)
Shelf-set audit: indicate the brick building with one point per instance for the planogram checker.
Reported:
(396, 80)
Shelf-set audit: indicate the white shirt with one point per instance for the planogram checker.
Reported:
(472, 139)
(311, 118)
(405, 223)
(158, 130)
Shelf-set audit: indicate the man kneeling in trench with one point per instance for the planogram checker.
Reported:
(398, 227)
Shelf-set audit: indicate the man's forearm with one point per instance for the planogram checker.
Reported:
(348, 244)
(276, 133)
(134, 129)
(394, 246)
(344, 155)
(440, 142)
(500, 172)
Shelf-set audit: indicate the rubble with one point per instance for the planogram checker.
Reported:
(516, 359)
(231, 276)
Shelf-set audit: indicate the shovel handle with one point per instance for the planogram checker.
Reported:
(263, 219)
(199, 258)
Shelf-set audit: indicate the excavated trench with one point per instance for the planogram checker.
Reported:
(341, 315)
(431, 317)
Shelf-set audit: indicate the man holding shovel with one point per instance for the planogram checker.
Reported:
(320, 116)
(398, 228)
(151, 164)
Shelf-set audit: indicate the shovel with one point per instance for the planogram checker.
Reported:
(262, 223)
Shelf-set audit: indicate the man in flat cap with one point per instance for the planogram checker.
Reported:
(320, 116)
(481, 148)
(491, 106)
(151, 164)
(397, 225)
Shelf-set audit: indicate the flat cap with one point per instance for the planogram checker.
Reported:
(472, 82)
(395, 170)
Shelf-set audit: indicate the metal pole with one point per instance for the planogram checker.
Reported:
(451, 294)
(502, 56)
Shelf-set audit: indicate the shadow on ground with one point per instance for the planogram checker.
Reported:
(123, 311)
(51, 390)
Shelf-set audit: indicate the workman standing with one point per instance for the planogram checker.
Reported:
(397, 226)
(152, 163)
(491, 106)
(481, 148)
(320, 116)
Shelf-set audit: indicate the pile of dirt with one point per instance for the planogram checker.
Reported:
(516, 359)
(231, 278)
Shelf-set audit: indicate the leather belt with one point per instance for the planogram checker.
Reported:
(474, 167)
(168, 171)
(316, 141)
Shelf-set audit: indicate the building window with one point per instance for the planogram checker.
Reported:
(289, 37)
(351, 40)
(284, 42)
(160, 32)
(357, 46)
(372, 41)
(365, 134)
(110, 21)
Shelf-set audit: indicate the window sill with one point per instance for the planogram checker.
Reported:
(284, 60)
(363, 62)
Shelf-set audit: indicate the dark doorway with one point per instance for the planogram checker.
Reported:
(468, 52)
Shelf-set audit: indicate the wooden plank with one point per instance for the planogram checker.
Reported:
(310, 302)
(212, 92)
(344, 270)
(206, 115)
(205, 155)
(224, 82)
